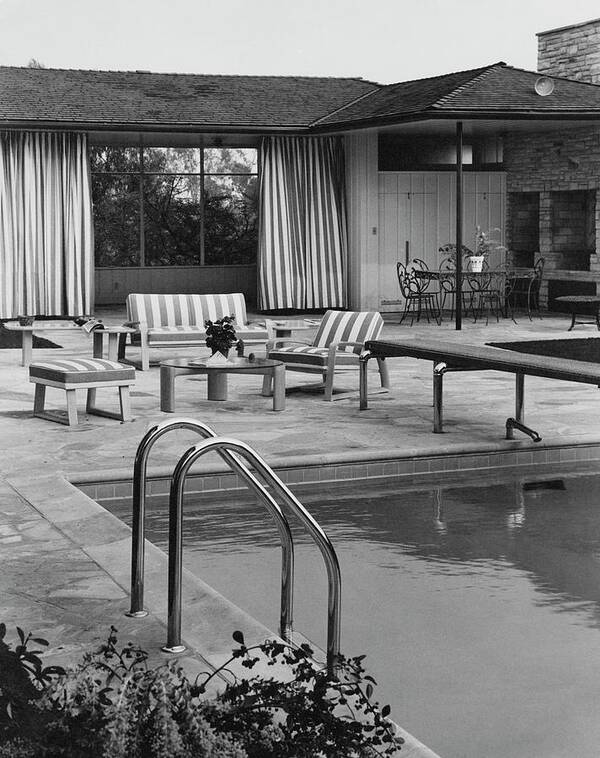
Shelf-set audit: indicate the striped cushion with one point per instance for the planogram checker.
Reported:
(311, 356)
(80, 370)
(348, 326)
(185, 310)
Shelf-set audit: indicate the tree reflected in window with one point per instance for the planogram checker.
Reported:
(166, 206)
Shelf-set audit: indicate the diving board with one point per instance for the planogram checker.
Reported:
(449, 356)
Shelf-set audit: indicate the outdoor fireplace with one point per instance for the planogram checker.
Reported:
(573, 231)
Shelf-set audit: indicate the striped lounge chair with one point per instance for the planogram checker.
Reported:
(178, 320)
(337, 345)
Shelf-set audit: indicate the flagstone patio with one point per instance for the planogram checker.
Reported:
(66, 560)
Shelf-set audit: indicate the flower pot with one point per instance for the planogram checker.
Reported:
(476, 263)
(26, 320)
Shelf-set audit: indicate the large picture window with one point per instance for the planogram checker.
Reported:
(162, 206)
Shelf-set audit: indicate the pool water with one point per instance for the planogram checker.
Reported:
(478, 607)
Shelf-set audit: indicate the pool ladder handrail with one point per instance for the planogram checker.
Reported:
(232, 451)
(139, 516)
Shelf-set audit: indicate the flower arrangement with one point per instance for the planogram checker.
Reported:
(220, 335)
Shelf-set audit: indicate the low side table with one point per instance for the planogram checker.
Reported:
(284, 328)
(27, 333)
(216, 376)
(582, 305)
(114, 336)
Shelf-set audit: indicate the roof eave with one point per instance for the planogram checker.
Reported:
(467, 115)
(141, 126)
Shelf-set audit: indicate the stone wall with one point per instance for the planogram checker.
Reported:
(555, 164)
(571, 51)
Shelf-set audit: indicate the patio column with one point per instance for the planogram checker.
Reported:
(459, 215)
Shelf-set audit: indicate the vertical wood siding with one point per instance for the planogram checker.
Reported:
(114, 284)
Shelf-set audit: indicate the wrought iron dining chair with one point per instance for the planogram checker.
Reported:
(418, 299)
(447, 276)
(523, 288)
(487, 292)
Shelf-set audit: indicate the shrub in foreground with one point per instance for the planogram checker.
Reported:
(113, 705)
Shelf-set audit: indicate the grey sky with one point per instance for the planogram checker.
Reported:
(381, 40)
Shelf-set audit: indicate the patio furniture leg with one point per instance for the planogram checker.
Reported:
(26, 346)
(124, 406)
(71, 407)
(122, 346)
(98, 344)
(145, 351)
(267, 389)
(216, 386)
(279, 388)
(384, 374)
(39, 399)
(329, 376)
(167, 389)
(113, 346)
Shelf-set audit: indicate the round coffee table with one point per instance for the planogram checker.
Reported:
(583, 305)
(216, 375)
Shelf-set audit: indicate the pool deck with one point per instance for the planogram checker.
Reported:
(66, 561)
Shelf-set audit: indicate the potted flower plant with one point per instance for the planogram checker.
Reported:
(484, 245)
(220, 335)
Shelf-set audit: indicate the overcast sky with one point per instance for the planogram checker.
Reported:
(380, 40)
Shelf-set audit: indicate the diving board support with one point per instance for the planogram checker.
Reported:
(517, 421)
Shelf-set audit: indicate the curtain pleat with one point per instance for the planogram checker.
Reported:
(302, 234)
(46, 231)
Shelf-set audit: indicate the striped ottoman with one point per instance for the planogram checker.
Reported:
(71, 374)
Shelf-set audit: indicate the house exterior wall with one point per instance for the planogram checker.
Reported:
(552, 163)
(571, 51)
(363, 220)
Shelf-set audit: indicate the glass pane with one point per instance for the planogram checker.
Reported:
(116, 219)
(172, 220)
(118, 159)
(231, 219)
(230, 160)
(172, 160)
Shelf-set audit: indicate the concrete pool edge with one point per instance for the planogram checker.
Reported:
(357, 465)
(210, 618)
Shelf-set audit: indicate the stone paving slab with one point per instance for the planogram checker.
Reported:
(57, 552)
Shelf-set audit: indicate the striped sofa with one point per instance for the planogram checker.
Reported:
(178, 320)
(337, 345)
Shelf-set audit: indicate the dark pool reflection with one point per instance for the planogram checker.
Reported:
(478, 607)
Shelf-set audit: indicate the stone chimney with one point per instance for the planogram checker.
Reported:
(571, 51)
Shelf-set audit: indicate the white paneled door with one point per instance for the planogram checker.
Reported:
(417, 216)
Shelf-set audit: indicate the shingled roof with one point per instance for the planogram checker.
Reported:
(497, 90)
(138, 100)
(142, 99)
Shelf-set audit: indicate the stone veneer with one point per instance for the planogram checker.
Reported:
(554, 162)
(559, 162)
(571, 51)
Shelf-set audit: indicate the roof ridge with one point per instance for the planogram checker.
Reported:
(187, 73)
(441, 76)
(552, 76)
(483, 72)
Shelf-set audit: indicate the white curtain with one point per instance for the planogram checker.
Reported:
(46, 228)
(302, 248)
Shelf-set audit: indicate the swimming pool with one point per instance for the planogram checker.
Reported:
(478, 606)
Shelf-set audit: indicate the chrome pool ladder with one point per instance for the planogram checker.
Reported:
(241, 458)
